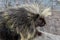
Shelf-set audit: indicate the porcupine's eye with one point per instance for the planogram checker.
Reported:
(35, 17)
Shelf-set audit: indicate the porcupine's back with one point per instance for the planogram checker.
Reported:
(22, 23)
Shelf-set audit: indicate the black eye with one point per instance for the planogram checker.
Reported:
(35, 17)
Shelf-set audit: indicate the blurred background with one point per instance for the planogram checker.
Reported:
(53, 21)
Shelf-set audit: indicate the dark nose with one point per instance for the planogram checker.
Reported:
(40, 22)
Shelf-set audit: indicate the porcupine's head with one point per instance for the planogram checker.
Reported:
(24, 20)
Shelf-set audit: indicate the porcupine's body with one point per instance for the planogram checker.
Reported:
(21, 23)
(24, 21)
